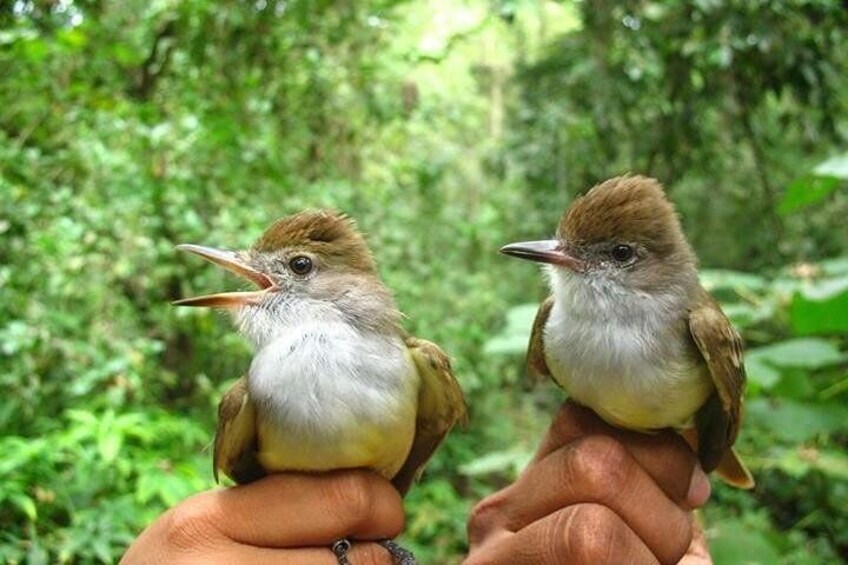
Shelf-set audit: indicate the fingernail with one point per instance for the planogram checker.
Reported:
(699, 488)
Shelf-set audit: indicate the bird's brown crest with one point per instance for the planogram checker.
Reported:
(628, 208)
(330, 234)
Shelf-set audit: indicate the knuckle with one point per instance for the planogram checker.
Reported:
(599, 466)
(352, 495)
(473, 559)
(480, 558)
(485, 517)
(681, 536)
(190, 526)
(588, 534)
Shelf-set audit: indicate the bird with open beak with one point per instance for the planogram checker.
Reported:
(629, 331)
(335, 382)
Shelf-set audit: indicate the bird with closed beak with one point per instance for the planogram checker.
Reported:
(629, 331)
(335, 382)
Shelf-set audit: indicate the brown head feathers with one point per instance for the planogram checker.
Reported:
(626, 209)
(326, 233)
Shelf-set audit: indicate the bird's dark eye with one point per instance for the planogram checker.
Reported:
(622, 253)
(300, 265)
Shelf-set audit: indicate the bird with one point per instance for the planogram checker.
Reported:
(629, 331)
(335, 382)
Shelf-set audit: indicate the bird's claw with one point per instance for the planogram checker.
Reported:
(400, 555)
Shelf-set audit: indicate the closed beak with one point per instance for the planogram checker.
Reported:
(545, 251)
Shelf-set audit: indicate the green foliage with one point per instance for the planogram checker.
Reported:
(726, 101)
(796, 422)
(80, 490)
(816, 186)
(447, 131)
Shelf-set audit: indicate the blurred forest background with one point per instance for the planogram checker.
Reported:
(447, 130)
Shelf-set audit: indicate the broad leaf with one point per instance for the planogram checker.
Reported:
(836, 167)
(821, 308)
(733, 541)
(715, 279)
(515, 335)
(806, 190)
(793, 421)
(805, 353)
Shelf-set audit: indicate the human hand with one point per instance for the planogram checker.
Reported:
(286, 518)
(594, 494)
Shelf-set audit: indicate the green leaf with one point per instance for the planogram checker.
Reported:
(834, 167)
(147, 486)
(834, 267)
(734, 541)
(742, 314)
(74, 38)
(796, 422)
(805, 353)
(35, 50)
(834, 463)
(794, 384)
(825, 289)
(800, 461)
(497, 462)
(520, 318)
(516, 333)
(806, 190)
(25, 504)
(506, 345)
(714, 279)
(821, 308)
(760, 373)
(109, 437)
(10, 36)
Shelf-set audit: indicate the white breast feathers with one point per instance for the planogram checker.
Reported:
(617, 351)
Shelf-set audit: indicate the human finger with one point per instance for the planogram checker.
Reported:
(596, 469)
(698, 552)
(583, 533)
(361, 553)
(664, 455)
(297, 510)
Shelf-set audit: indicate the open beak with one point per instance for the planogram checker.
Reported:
(546, 251)
(231, 261)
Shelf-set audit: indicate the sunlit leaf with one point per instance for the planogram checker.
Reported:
(497, 462)
(806, 353)
(821, 308)
(714, 279)
(516, 333)
(733, 541)
(506, 345)
(759, 372)
(834, 167)
(795, 421)
(109, 437)
(834, 267)
(74, 38)
(743, 314)
(805, 191)
(25, 504)
(799, 461)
